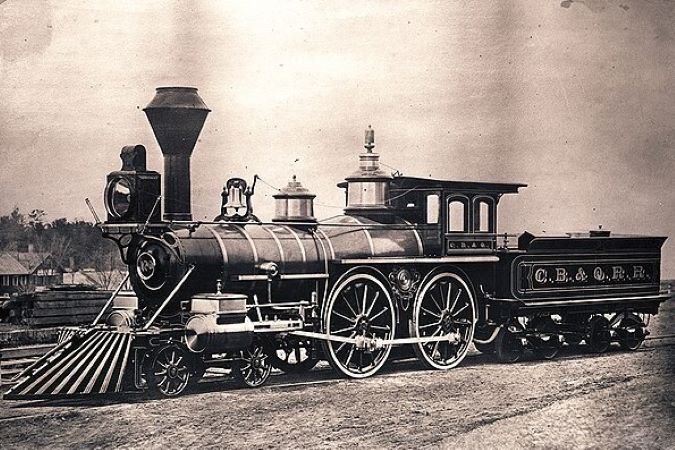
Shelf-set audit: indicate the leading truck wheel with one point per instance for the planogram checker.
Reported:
(444, 308)
(169, 372)
(359, 307)
(253, 367)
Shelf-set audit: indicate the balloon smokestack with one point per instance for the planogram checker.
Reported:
(177, 115)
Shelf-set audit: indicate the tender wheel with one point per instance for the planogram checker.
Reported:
(170, 370)
(575, 322)
(444, 307)
(484, 332)
(508, 347)
(359, 307)
(598, 336)
(485, 348)
(547, 345)
(574, 339)
(293, 356)
(631, 332)
(253, 367)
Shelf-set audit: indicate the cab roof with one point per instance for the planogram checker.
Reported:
(403, 182)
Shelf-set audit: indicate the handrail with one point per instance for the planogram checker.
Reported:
(168, 299)
(112, 297)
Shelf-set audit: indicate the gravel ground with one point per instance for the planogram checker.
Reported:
(616, 400)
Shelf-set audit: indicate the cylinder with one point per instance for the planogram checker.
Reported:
(203, 333)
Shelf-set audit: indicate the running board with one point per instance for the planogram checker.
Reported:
(89, 361)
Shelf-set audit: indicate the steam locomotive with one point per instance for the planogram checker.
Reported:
(414, 267)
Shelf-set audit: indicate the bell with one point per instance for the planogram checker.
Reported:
(235, 198)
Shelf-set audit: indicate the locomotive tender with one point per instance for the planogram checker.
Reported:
(414, 266)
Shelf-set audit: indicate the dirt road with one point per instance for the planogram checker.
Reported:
(616, 400)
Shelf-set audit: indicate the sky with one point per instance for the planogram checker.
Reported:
(575, 98)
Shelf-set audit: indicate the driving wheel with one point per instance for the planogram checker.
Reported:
(359, 307)
(444, 308)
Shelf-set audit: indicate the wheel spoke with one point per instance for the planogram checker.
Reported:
(365, 297)
(379, 314)
(460, 310)
(342, 345)
(434, 324)
(350, 355)
(433, 352)
(381, 328)
(430, 312)
(435, 302)
(447, 297)
(377, 295)
(452, 308)
(342, 330)
(344, 317)
(433, 335)
(349, 305)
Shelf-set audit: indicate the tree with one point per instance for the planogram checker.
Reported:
(12, 230)
(78, 244)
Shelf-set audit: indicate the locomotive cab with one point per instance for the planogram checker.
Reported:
(453, 216)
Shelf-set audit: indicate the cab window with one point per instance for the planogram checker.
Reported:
(483, 219)
(433, 208)
(457, 218)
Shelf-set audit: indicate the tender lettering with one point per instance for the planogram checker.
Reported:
(638, 273)
(581, 275)
(598, 274)
(618, 273)
(540, 275)
(560, 274)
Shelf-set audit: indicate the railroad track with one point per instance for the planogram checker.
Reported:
(14, 360)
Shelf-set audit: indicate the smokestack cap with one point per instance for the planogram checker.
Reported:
(176, 115)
